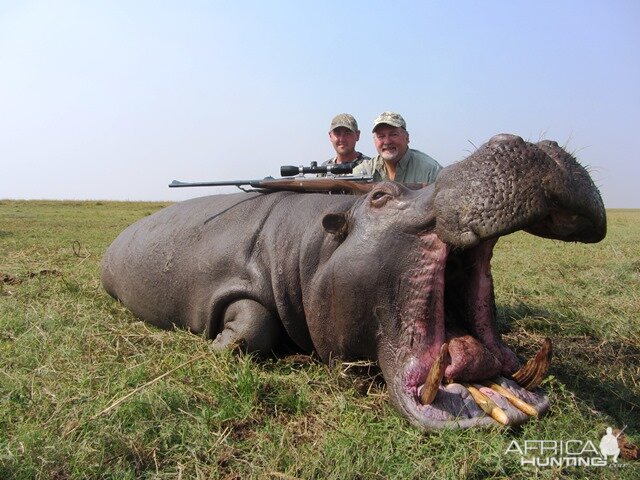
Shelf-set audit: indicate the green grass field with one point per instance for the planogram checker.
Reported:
(87, 391)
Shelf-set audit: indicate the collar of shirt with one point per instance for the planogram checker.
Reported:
(401, 167)
(359, 156)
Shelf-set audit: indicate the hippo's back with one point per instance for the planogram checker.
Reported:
(155, 266)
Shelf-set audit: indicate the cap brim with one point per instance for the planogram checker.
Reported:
(386, 123)
(340, 125)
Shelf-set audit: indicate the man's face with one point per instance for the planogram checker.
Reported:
(391, 142)
(344, 140)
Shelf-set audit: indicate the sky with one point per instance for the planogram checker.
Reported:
(111, 100)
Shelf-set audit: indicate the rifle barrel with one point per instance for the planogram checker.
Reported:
(177, 183)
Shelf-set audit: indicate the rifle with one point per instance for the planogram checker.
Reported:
(295, 181)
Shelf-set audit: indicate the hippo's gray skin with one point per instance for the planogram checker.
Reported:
(387, 276)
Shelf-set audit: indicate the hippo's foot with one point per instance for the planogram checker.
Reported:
(458, 372)
(248, 327)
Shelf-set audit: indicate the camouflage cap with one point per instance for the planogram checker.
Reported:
(389, 118)
(344, 120)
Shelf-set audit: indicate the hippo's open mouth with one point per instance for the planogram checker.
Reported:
(459, 373)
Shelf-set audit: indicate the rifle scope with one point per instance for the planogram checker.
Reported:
(336, 169)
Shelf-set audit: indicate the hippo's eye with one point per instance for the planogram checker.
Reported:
(379, 198)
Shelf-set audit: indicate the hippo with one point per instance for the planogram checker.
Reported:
(398, 276)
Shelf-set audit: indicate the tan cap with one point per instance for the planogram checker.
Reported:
(389, 118)
(344, 120)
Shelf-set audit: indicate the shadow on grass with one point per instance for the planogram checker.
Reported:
(575, 363)
(598, 372)
(536, 319)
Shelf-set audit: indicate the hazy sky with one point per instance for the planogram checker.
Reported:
(114, 99)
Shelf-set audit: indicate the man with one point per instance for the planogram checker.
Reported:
(344, 134)
(395, 160)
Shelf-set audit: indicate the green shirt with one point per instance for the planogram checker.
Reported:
(414, 167)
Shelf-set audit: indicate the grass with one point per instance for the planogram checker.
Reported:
(87, 391)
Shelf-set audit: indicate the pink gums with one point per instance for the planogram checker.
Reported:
(483, 322)
(425, 308)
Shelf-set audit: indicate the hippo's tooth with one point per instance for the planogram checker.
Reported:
(534, 371)
(434, 377)
(515, 401)
(489, 406)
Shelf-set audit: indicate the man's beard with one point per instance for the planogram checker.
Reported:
(390, 154)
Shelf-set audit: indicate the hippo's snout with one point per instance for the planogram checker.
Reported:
(508, 185)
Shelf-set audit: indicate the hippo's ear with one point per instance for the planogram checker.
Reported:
(336, 224)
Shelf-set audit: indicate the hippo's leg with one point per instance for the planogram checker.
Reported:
(248, 326)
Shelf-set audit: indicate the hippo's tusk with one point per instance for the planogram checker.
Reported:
(534, 371)
(434, 377)
(489, 406)
(515, 401)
